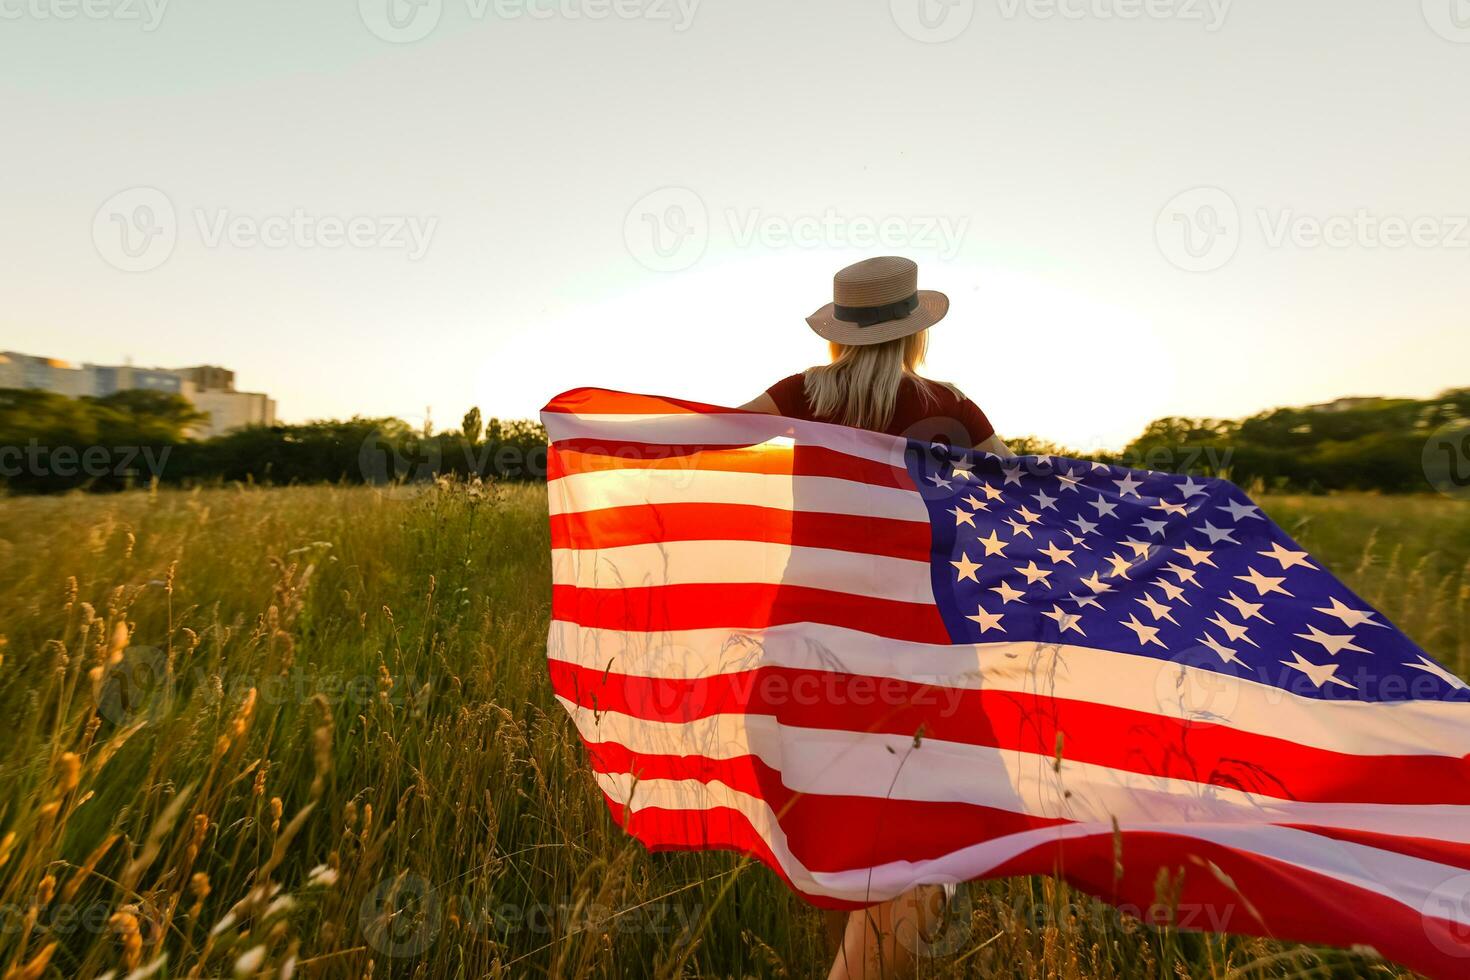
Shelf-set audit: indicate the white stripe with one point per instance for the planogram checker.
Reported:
(1071, 672)
(724, 561)
(721, 430)
(1408, 880)
(819, 494)
(830, 762)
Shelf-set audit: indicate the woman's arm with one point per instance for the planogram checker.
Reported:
(761, 403)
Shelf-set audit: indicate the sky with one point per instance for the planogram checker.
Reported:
(405, 207)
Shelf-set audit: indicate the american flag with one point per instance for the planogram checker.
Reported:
(871, 663)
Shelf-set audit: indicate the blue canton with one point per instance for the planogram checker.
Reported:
(1183, 569)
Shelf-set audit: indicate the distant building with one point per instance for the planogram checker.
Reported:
(210, 389)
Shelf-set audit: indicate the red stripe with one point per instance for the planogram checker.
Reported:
(593, 456)
(691, 606)
(614, 527)
(876, 831)
(1454, 853)
(1118, 738)
(1219, 888)
(1227, 890)
(718, 828)
(602, 401)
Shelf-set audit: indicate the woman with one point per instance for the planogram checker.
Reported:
(877, 327)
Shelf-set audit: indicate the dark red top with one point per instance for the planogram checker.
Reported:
(943, 416)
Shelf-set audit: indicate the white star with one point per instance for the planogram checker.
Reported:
(1185, 574)
(1078, 540)
(1065, 620)
(1351, 618)
(1084, 525)
(991, 493)
(1189, 488)
(1096, 584)
(1174, 592)
(1226, 653)
(1237, 511)
(1058, 555)
(962, 471)
(1119, 563)
(1028, 516)
(1104, 509)
(1430, 667)
(1246, 609)
(977, 504)
(1017, 527)
(1034, 573)
(1217, 534)
(940, 481)
(993, 545)
(1286, 557)
(1100, 466)
(1233, 630)
(962, 517)
(1319, 673)
(987, 621)
(1159, 610)
(1152, 527)
(1146, 634)
(1007, 593)
(1263, 583)
(1043, 501)
(1196, 556)
(1068, 480)
(1083, 600)
(1012, 475)
(1333, 643)
(1128, 485)
(1169, 508)
(1141, 549)
(966, 567)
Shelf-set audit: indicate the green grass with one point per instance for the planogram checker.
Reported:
(206, 695)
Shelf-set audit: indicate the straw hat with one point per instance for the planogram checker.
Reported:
(876, 300)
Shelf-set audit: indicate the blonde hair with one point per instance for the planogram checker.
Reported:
(860, 386)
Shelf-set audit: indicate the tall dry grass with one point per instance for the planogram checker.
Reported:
(307, 731)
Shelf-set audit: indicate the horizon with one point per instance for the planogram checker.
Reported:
(451, 420)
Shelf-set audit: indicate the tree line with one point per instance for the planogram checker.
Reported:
(51, 442)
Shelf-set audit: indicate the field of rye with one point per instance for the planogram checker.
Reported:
(307, 731)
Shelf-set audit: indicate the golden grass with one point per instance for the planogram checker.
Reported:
(307, 730)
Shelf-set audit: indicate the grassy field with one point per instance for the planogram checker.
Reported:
(255, 732)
